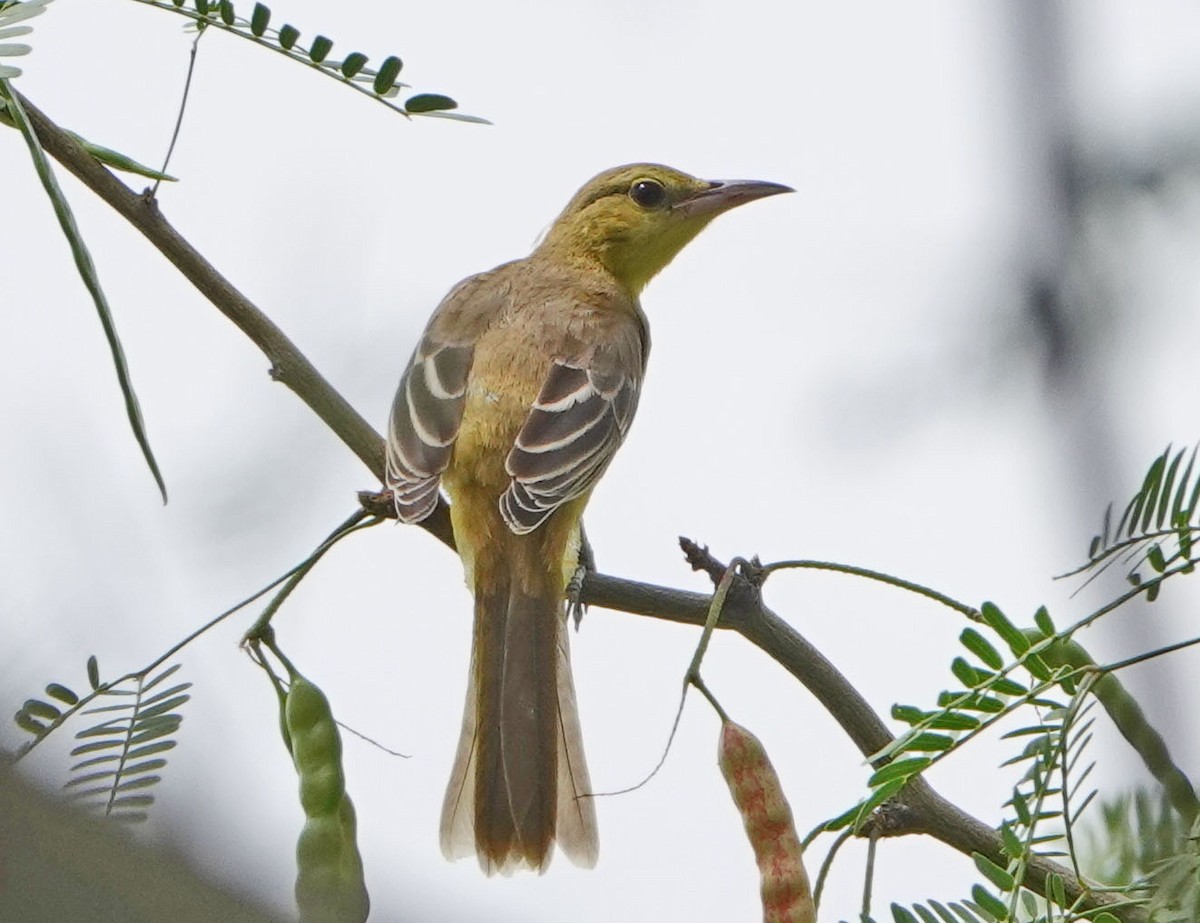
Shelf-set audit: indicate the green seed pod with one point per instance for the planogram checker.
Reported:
(329, 874)
(1134, 726)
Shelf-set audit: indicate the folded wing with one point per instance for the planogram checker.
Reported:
(426, 416)
(579, 419)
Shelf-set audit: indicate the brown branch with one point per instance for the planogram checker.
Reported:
(920, 809)
(923, 810)
(288, 365)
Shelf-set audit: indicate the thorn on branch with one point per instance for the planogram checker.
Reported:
(744, 592)
(699, 558)
(377, 503)
(437, 523)
(894, 817)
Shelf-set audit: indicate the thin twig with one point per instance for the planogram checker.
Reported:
(960, 607)
(187, 88)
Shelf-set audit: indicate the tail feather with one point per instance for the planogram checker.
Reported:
(458, 807)
(519, 778)
(576, 807)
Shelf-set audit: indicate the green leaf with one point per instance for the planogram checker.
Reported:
(389, 70)
(1036, 666)
(845, 819)
(320, 49)
(162, 707)
(7, 30)
(259, 20)
(227, 16)
(978, 645)
(1010, 840)
(87, 272)
(901, 915)
(1006, 685)
(169, 671)
(133, 801)
(27, 722)
(943, 912)
(288, 36)
(96, 745)
(154, 733)
(159, 747)
(876, 798)
(1055, 890)
(1194, 502)
(1008, 632)
(90, 777)
(158, 697)
(1021, 807)
(355, 61)
(19, 12)
(157, 719)
(926, 742)
(973, 701)
(144, 766)
(1029, 730)
(453, 117)
(62, 693)
(143, 782)
(1185, 479)
(428, 102)
(966, 674)
(104, 709)
(989, 903)
(1150, 489)
(1124, 521)
(119, 161)
(899, 770)
(1166, 495)
(40, 709)
(993, 873)
(955, 721)
(926, 915)
(107, 729)
(1154, 556)
(1045, 624)
(909, 714)
(93, 672)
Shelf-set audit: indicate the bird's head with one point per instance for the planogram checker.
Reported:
(634, 219)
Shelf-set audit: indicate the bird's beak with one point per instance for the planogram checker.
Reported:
(722, 195)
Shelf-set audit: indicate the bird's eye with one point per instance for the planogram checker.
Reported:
(648, 193)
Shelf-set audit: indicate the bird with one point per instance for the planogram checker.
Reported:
(517, 396)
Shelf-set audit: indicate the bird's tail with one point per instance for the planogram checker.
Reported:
(519, 781)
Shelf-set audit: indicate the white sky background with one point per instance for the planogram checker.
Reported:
(835, 374)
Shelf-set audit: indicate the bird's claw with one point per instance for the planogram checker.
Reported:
(576, 607)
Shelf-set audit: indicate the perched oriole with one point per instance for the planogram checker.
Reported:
(516, 398)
